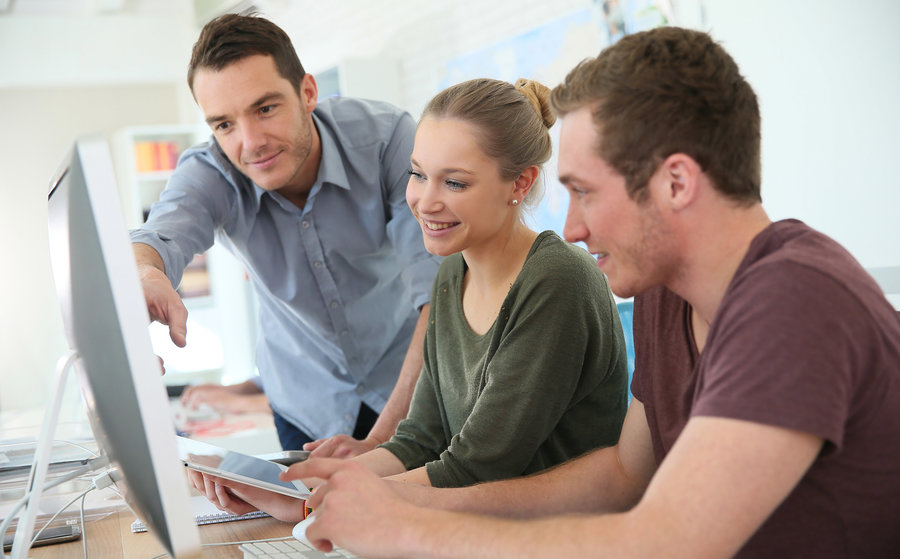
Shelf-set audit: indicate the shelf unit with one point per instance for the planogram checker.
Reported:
(221, 330)
(147, 157)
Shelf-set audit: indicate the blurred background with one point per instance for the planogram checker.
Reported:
(827, 74)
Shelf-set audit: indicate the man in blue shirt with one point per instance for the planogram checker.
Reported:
(310, 197)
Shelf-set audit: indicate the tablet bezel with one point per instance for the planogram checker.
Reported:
(187, 446)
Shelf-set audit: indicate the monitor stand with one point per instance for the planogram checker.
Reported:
(35, 485)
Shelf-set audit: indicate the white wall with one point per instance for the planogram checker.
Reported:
(61, 77)
(38, 125)
(91, 50)
(826, 73)
(421, 36)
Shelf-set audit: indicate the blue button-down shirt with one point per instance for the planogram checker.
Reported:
(339, 282)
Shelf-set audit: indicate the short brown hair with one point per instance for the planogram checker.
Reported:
(232, 37)
(513, 121)
(665, 91)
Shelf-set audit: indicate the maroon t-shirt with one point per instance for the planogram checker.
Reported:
(804, 339)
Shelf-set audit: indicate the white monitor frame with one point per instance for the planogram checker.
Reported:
(106, 320)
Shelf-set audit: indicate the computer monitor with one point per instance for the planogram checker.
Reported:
(106, 320)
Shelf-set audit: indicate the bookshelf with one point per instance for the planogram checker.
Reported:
(214, 288)
(147, 157)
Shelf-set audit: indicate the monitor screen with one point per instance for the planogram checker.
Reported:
(106, 320)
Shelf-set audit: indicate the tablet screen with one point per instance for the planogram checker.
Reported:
(239, 467)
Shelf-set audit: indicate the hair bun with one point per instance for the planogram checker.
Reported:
(538, 95)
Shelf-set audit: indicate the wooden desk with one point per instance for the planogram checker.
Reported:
(111, 538)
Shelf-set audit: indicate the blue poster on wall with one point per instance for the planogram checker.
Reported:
(547, 53)
(622, 17)
(544, 54)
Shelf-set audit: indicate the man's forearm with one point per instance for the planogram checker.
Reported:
(546, 493)
(248, 387)
(442, 535)
(611, 479)
(397, 405)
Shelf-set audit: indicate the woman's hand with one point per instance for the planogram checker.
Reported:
(239, 498)
(340, 446)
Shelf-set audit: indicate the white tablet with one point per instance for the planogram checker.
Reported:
(243, 468)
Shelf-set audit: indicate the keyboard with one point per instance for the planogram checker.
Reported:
(290, 549)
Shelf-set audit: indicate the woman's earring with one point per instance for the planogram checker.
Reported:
(515, 202)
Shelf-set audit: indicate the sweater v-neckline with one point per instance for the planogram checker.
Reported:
(459, 290)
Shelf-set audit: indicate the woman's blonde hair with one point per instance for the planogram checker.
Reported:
(513, 121)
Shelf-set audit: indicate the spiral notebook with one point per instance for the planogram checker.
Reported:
(205, 513)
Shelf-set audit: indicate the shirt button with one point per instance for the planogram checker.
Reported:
(304, 224)
(317, 264)
(334, 304)
(344, 332)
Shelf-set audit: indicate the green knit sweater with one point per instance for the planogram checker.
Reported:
(546, 383)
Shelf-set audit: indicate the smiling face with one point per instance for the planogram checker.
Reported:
(264, 127)
(455, 190)
(629, 238)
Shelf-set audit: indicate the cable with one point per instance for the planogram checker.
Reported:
(24, 500)
(77, 445)
(99, 482)
(102, 481)
(83, 529)
(60, 511)
(92, 465)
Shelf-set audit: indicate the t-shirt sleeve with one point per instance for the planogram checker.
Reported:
(781, 352)
(646, 310)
